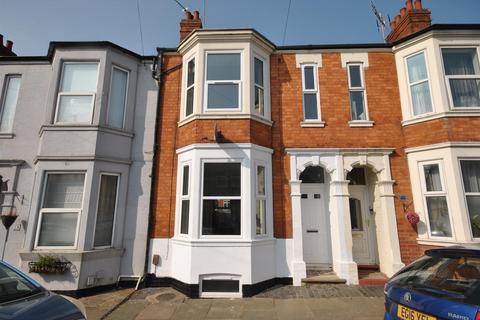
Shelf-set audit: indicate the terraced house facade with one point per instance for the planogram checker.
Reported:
(266, 161)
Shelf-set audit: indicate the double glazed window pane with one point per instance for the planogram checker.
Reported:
(461, 61)
(223, 96)
(223, 75)
(190, 87)
(260, 216)
(184, 216)
(81, 77)
(223, 66)
(355, 77)
(310, 106)
(118, 95)
(356, 214)
(106, 210)
(309, 78)
(10, 97)
(432, 177)
(417, 70)
(471, 182)
(259, 92)
(221, 179)
(258, 65)
(64, 191)
(465, 92)
(438, 216)
(221, 217)
(357, 105)
(421, 98)
(72, 108)
(58, 229)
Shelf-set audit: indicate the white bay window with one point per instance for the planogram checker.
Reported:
(60, 210)
(106, 207)
(419, 84)
(471, 184)
(76, 96)
(259, 86)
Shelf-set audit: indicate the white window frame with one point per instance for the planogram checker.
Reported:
(182, 197)
(208, 82)
(187, 87)
(114, 213)
(110, 95)
(255, 85)
(74, 93)
(4, 96)
(59, 210)
(466, 194)
(425, 59)
(261, 197)
(461, 77)
(310, 91)
(443, 193)
(240, 197)
(362, 88)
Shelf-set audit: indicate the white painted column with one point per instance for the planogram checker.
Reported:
(299, 268)
(340, 226)
(387, 233)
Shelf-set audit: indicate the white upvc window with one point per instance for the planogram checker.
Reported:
(419, 84)
(223, 81)
(260, 200)
(462, 74)
(356, 87)
(471, 185)
(221, 199)
(310, 95)
(117, 102)
(60, 210)
(185, 200)
(259, 85)
(106, 210)
(9, 102)
(76, 95)
(190, 87)
(438, 217)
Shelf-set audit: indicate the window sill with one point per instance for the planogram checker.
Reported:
(312, 124)
(453, 113)
(4, 135)
(444, 242)
(71, 253)
(361, 123)
(80, 127)
(224, 116)
(227, 242)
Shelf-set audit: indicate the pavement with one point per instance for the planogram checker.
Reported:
(283, 302)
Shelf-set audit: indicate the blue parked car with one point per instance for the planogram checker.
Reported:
(23, 298)
(443, 284)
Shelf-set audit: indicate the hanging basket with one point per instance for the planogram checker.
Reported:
(412, 217)
(50, 265)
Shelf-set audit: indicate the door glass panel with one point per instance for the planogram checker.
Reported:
(356, 214)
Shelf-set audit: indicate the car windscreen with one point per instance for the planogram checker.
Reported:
(451, 277)
(13, 286)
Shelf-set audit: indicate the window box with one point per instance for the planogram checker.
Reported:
(49, 265)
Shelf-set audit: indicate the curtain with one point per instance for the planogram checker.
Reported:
(421, 98)
(81, 77)
(432, 177)
(64, 191)
(471, 175)
(460, 61)
(417, 69)
(106, 210)
(438, 217)
(58, 229)
(465, 92)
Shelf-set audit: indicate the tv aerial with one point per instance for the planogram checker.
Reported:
(380, 20)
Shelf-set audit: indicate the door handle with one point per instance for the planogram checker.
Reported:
(312, 231)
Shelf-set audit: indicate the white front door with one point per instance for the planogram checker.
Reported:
(316, 237)
(363, 226)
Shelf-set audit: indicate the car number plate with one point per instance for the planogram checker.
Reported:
(409, 314)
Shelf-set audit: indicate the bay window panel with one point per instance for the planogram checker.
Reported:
(417, 69)
(465, 92)
(473, 206)
(9, 103)
(221, 179)
(438, 216)
(81, 77)
(64, 191)
(75, 108)
(261, 180)
(310, 106)
(223, 96)
(223, 66)
(259, 100)
(106, 210)
(221, 217)
(309, 77)
(57, 229)
(461, 61)
(118, 96)
(357, 105)
(190, 72)
(186, 173)
(432, 177)
(471, 175)
(258, 68)
(421, 100)
(184, 216)
(260, 216)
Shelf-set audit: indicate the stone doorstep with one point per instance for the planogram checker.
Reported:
(325, 278)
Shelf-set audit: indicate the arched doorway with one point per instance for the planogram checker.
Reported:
(362, 216)
(315, 219)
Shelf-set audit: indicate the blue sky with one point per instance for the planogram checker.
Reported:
(32, 24)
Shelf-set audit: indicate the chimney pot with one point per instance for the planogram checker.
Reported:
(9, 45)
(403, 12)
(1, 39)
(418, 5)
(397, 19)
(187, 15)
(409, 5)
(392, 25)
(196, 15)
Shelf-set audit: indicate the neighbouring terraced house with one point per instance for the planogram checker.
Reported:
(266, 161)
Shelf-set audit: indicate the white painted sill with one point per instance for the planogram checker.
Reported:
(452, 113)
(445, 242)
(224, 116)
(361, 123)
(5, 135)
(312, 124)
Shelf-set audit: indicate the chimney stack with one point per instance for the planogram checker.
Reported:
(189, 23)
(412, 18)
(6, 50)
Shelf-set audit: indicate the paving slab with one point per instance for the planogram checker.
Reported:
(98, 305)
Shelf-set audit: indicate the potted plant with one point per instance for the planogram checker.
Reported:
(48, 264)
